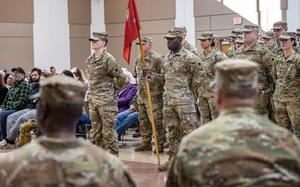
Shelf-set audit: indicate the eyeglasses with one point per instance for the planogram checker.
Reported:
(284, 40)
(203, 40)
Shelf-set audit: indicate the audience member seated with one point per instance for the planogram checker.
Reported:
(9, 80)
(3, 88)
(16, 119)
(16, 98)
(53, 71)
(126, 95)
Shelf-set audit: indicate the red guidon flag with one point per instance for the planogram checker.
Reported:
(132, 27)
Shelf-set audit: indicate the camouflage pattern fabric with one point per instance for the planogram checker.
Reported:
(287, 92)
(206, 75)
(62, 163)
(179, 112)
(230, 52)
(28, 131)
(237, 149)
(297, 48)
(105, 77)
(190, 47)
(153, 64)
(263, 58)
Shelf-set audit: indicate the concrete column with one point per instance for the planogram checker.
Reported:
(185, 17)
(293, 14)
(51, 34)
(98, 21)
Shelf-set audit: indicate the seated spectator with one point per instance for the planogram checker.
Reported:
(9, 80)
(58, 158)
(79, 75)
(125, 120)
(3, 88)
(126, 95)
(67, 73)
(16, 119)
(53, 71)
(16, 98)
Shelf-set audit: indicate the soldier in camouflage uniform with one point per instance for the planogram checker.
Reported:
(58, 158)
(286, 73)
(239, 148)
(235, 34)
(269, 40)
(105, 77)
(152, 74)
(185, 43)
(298, 40)
(179, 112)
(209, 56)
(278, 28)
(262, 56)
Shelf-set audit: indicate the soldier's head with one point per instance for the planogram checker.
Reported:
(250, 34)
(146, 44)
(206, 40)
(287, 40)
(174, 40)
(98, 40)
(279, 27)
(60, 104)
(235, 84)
(235, 34)
(268, 38)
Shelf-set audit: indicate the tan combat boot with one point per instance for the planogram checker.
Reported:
(160, 148)
(164, 166)
(144, 147)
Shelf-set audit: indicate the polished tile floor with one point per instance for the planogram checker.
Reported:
(143, 166)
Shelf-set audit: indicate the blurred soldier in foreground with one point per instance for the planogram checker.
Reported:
(105, 77)
(179, 70)
(58, 158)
(185, 43)
(239, 148)
(152, 74)
(262, 56)
(235, 34)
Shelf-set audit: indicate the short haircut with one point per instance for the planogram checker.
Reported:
(37, 70)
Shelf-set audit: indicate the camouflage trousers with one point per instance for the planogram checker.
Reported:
(103, 132)
(180, 120)
(287, 114)
(262, 104)
(146, 128)
(207, 109)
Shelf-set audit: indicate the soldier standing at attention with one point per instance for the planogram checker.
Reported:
(185, 43)
(179, 112)
(239, 148)
(278, 28)
(235, 34)
(58, 158)
(262, 56)
(105, 77)
(209, 56)
(286, 75)
(152, 73)
(298, 40)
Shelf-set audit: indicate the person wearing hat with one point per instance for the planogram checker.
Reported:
(263, 57)
(235, 34)
(278, 28)
(15, 100)
(58, 158)
(185, 43)
(151, 73)
(287, 85)
(180, 83)
(269, 40)
(209, 56)
(239, 148)
(297, 49)
(105, 77)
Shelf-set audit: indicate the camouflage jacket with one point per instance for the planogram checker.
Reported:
(205, 72)
(286, 74)
(237, 149)
(105, 77)
(263, 57)
(179, 71)
(276, 49)
(62, 163)
(297, 48)
(230, 52)
(153, 64)
(190, 47)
